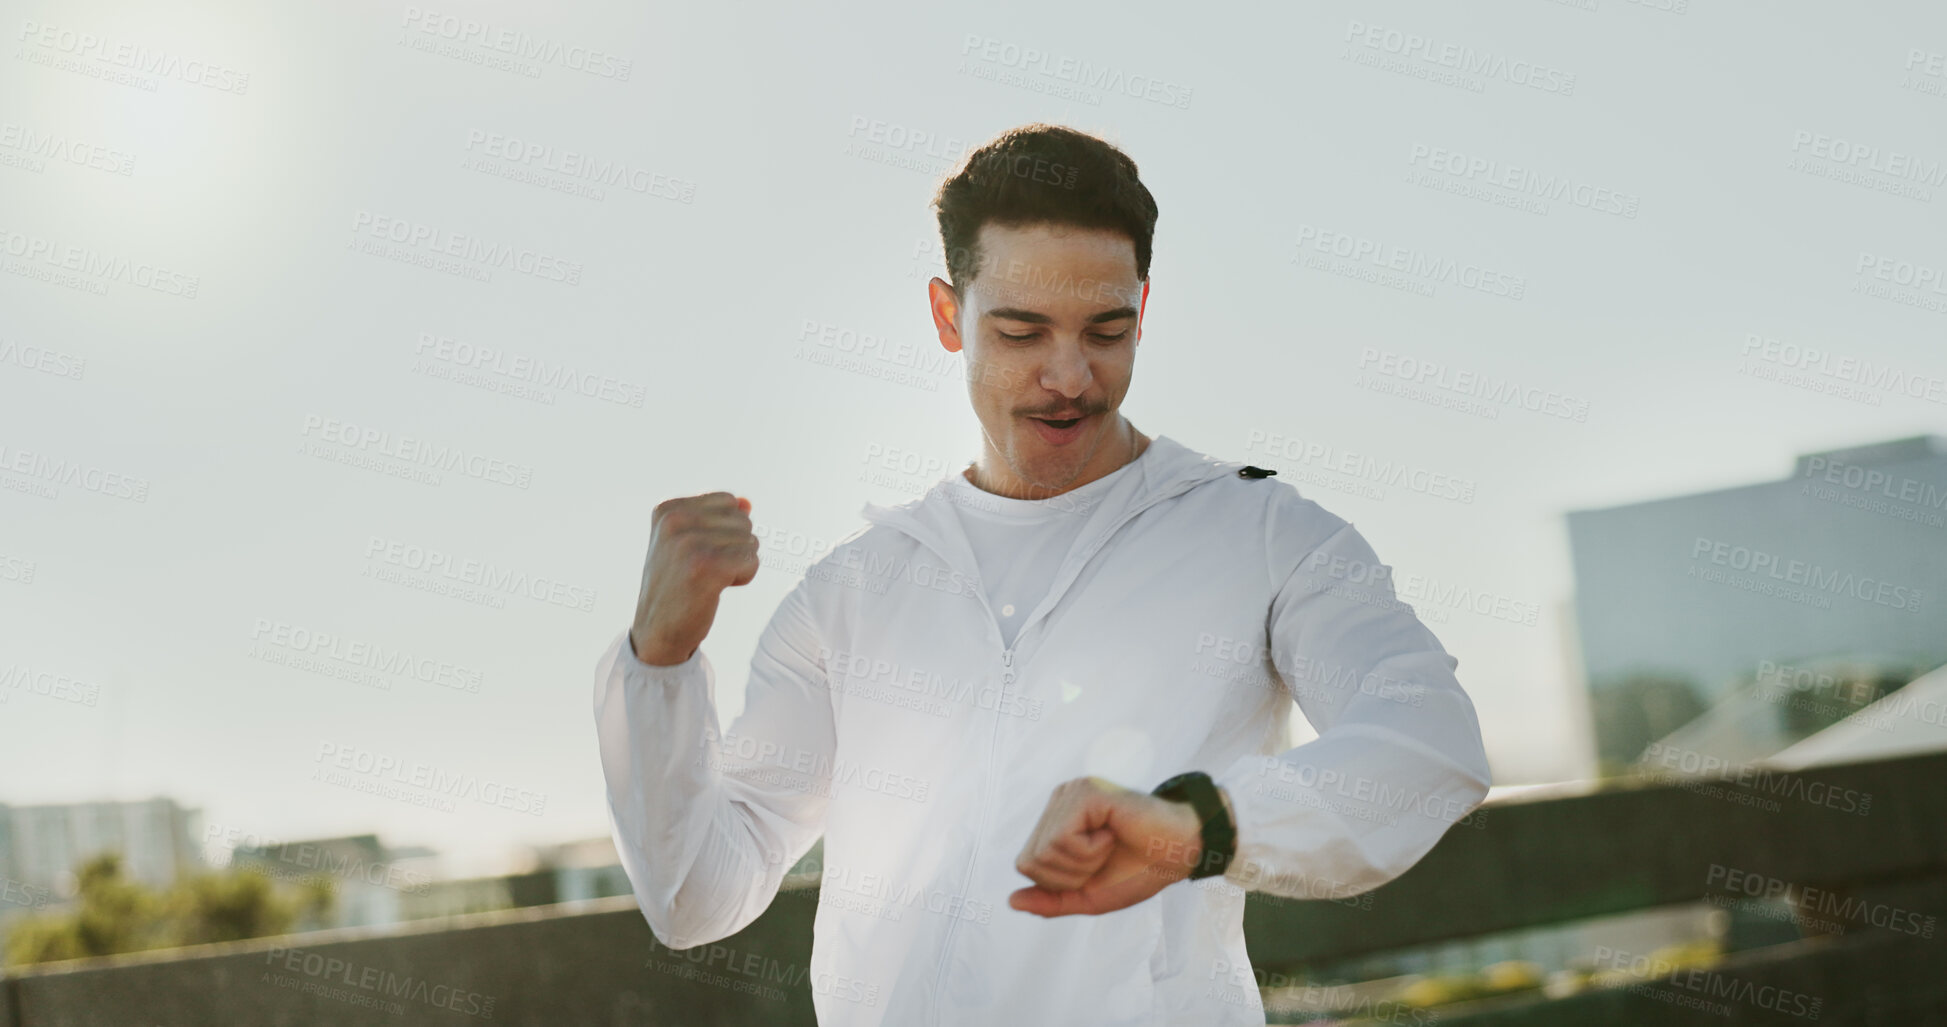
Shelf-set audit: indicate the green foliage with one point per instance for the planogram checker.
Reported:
(114, 914)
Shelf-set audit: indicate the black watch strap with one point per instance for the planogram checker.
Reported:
(1219, 834)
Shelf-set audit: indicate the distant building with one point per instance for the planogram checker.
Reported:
(1680, 602)
(370, 880)
(586, 869)
(1778, 707)
(41, 845)
(1908, 722)
(454, 898)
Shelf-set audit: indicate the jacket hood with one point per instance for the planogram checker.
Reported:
(1165, 470)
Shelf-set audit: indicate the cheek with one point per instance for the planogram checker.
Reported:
(999, 379)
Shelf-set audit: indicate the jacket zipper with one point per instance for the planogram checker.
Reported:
(973, 852)
(1007, 679)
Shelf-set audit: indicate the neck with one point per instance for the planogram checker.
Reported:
(991, 473)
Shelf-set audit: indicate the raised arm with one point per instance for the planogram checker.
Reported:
(707, 821)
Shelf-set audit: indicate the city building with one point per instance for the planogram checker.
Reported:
(369, 879)
(1684, 601)
(43, 845)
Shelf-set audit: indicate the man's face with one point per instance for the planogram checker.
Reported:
(1049, 324)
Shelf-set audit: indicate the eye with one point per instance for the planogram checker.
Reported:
(1017, 338)
(1117, 337)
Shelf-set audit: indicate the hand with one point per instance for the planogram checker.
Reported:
(1101, 847)
(698, 546)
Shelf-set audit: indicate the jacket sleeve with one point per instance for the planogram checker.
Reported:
(707, 822)
(1398, 758)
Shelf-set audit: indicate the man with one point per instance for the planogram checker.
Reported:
(972, 697)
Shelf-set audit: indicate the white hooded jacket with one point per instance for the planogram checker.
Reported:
(883, 712)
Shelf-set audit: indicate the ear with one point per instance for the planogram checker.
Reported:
(945, 305)
(1141, 306)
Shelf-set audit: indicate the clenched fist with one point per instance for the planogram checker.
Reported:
(698, 546)
(1101, 847)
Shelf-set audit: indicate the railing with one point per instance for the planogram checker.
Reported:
(1863, 846)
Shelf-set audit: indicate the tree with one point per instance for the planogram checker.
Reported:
(113, 914)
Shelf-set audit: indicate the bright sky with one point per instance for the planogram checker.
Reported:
(1709, 174)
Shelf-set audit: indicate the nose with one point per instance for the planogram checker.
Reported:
(1067, 370)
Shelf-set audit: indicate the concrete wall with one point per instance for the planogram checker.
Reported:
(1515, 865)
(590, 964)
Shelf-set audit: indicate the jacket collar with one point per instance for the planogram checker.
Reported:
(1165, 470)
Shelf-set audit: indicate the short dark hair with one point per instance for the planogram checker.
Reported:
(1042, 173)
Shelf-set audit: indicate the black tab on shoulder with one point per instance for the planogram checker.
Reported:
(1249, 471)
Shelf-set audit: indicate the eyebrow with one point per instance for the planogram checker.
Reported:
(1032, 317)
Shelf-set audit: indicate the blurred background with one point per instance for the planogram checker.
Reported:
(344, 351)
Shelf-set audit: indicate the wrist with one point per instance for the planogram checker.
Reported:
(658, 655)
(1214, 828)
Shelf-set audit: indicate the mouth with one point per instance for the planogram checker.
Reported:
(1060, 431)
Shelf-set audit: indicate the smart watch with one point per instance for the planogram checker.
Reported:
(1219, 834)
